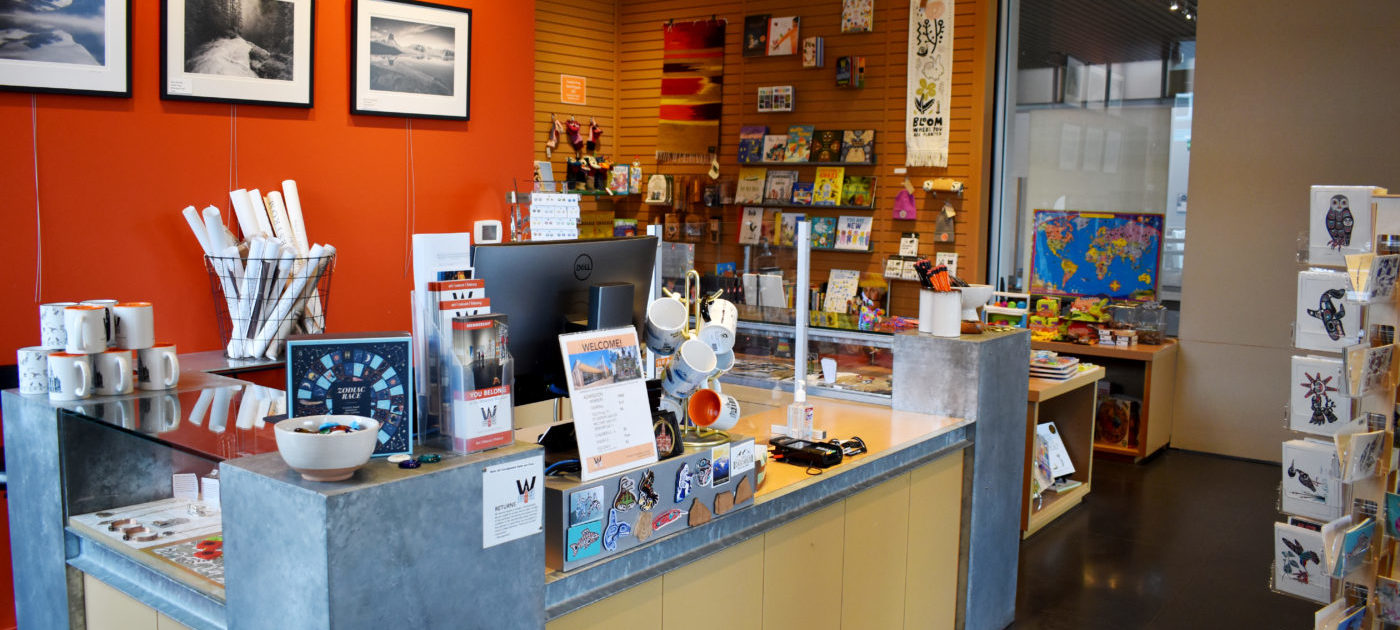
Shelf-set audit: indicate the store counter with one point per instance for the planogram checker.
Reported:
(814, 548)
(393, 547)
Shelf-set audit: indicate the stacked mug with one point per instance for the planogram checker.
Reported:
(96, 347)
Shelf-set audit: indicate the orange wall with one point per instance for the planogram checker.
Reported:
(115, 173)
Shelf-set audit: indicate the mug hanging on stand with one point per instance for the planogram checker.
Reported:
(87, 330)
(718, 327)
(70, 376)
(713, 410)
(689, 369)
(665, 330)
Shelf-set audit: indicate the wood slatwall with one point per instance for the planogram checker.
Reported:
(635, 94)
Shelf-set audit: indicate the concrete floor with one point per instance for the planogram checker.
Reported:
(1181, 541)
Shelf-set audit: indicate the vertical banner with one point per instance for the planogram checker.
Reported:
(930, 77)
(692, 78)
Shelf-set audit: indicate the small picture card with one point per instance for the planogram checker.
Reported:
(1325, 320)
(909, 244)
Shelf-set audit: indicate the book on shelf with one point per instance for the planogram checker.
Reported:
(826, 190)
(823, 232)
(772, 220)
(750, 226)
(774, 148)
(841, 288)
(858, 146)
(813, 52)
(853, 233)
(749, 188)
(850, 72)
(787, 235)
(858, 190)
(779, 186)
(894, 267)
(802, 193)
(826, 145)
(751, 143)
(1060, 464)
(799, 143)
(755, 35)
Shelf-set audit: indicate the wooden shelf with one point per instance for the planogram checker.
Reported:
(807, 164)
(1053, 505)
(1140, 352)
(820, 249)
(1045, 388)
(1103, 447)
(780, 204)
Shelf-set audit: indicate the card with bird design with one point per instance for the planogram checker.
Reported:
(1298, 563)
(1311, 480)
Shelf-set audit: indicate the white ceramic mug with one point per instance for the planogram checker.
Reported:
(70, 376)
(666, 319)
(157, 367)
(718, 329)
(52, 332)
(711, 409)
(33, 364)
(159, 413)
(724, 361)
(112, 373)
(135, 325)
(688, 369)
(108, 321)
(87, 332)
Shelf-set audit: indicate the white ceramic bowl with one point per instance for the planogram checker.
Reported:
(329, 457)
(972, 297)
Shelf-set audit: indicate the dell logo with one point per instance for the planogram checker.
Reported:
(583, 267)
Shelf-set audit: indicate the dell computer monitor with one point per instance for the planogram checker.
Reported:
(542, 289)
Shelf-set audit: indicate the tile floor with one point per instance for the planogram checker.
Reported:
(1182, 541)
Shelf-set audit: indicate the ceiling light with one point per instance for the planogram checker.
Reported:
(1189, 16)
(1174, 6)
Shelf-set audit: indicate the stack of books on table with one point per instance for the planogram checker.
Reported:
(1053, 366)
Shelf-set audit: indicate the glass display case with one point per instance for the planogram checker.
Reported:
(843, 364)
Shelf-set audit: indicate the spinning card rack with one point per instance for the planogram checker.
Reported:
(1354, 326)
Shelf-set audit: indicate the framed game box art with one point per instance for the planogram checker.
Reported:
(361, 374)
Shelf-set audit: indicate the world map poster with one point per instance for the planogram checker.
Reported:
(1106, 254)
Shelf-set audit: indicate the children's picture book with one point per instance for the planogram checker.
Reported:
(826, 190)
(726, 270)
(1298, 566)
(618, 184)
(841, 287)
(1312, 484)
(813, 52)
(826, 145)
(772, 222)
(802, 193)
(782, 35)
(858, 146)
(782, 98)
(1325, 320)
(850, 72)
(787, 236)
(750, 226)
(857, 16)
(755, 35)
(894, 267)
(774, 148)
(823, 232)
(853, 233)
(751, 143)
(624, 227)
(858, 190)
(779, 186)
(1316, 402)
(750, 186)
(799, 143)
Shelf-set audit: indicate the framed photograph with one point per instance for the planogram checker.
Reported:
(410, 59)
(66, 47)
(237, 51)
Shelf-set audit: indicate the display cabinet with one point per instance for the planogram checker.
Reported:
(861, 362)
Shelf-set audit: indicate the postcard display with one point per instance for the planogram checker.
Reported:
(1335, 544)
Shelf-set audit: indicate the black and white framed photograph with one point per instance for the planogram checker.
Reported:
(410, 59)
(238, 51)
(67, 46)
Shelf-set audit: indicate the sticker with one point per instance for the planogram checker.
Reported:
(669, 516)
(616, 529)
(649, 498)
(720, 469)
(626, 494)
(683, 479)
(642, 529)
(583, 540)
(702, 470)
(741, 459)
(699, 514)
(586, 506)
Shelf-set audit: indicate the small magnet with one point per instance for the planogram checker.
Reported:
(649, 497)
(669, 516)
(616, 529)
(703, 471)
(409, 463)
(683, 479)
(626, 494)
(429, 458)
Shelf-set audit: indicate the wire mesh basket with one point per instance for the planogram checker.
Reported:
(258, 302)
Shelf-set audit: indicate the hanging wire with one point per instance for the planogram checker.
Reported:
(232, 155)
(38, 216)
(410, 198)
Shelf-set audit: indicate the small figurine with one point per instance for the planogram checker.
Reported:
(552, 143)
(575, 140)
(595, 135)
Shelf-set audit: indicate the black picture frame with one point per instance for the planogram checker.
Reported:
(179, 83)
(46, 75)
(422, 94)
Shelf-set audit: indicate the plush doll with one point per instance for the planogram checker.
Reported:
(595, 135)
(555, 127)
(575, 139)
